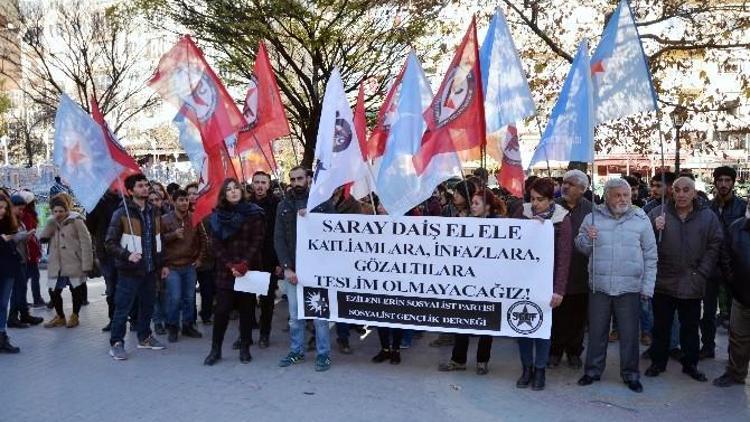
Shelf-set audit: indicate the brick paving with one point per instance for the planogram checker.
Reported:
(66, 375)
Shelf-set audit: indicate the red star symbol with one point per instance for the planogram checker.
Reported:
(74, 155)
(597, 67)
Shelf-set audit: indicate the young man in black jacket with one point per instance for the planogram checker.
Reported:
(134, 241)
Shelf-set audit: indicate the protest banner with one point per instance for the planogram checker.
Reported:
(463, 275)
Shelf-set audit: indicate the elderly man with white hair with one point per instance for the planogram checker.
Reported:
(569, 319)
(691, 239)
(619, 240)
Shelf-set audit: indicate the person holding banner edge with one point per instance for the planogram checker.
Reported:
(534, 352)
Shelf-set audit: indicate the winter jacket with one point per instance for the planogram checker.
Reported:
(99, 218)
(270, 205)
(737, 268)
(10, 261)
(578, 279)
(688, 251)
(124, 236)
(244, 246)
(285, 231)
(733, 210)
(181, 252)
(70, 252)
(563, 245)
(624, 257)
(31, 222)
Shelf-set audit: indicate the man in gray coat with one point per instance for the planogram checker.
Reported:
(619, 240)
(691, 238)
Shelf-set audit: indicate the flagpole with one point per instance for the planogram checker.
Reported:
(659, 116)
(539, 127)
(242, 167)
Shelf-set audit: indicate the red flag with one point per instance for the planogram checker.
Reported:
(511, 172)
(360, 121)
(455, 120)
(117, 152)
(379, 135)
(265, 119)
(217, 167)
(185, 79)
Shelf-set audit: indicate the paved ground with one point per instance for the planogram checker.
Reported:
(66, 375)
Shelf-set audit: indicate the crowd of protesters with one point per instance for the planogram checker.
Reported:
(662, 269)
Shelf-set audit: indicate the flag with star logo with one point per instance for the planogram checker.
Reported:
(81, 153)
(338, 159)
(455, 120)
(619, 70)
(265, 119)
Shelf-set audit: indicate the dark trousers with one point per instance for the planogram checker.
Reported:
(128, 289)
(18, 303)
(569, 325)
(689, 314)
(207, 291)
(266, 303)
(739, 341)
(75, 293)
(390, 339)
(461, 348)
(32, 272)
(109, 272)
(708, 321)
(626, 308)
(226, 300)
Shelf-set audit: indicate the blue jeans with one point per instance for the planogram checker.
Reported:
(526, 348)
(647, 316)
(128, 288)
(6, 286)
(20, 289)
(297, 327)
(179, 295)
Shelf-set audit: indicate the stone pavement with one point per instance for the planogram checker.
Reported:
(66, 375)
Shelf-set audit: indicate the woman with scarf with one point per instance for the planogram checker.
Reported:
(237, 230)
(484, 204)
(535, 351)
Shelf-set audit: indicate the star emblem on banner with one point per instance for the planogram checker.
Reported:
(525, 317)
(74, 154)
(597, 67)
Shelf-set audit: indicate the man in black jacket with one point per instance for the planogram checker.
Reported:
(728, 207)
(134, 241)
(736, 268)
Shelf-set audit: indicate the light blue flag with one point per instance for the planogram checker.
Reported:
(398, 186)
(507, 98)
(569, 135)
(621, 78)
(81, 154)
(190, 139)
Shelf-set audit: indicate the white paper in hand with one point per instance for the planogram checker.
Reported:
(253, 282)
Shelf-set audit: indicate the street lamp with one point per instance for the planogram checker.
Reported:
(678, 115)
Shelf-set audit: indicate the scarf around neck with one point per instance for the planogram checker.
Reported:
(546, 214)
(225, 222)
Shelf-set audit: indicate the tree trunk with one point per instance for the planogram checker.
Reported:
(29, 150)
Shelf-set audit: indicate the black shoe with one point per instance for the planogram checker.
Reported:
(525, 379)
(707, 353)
(214, 355)
(245, 353)
(160, 330)
(85, 303)
(382, 356)
(107, 328)
(6, 346)
(31, 320)
(694, 373)
(537, 383)
(344, 347)
(14, 322)
(575, 362)
(587, 380)
(634, 386)
(263, 342)
(554, 361)
(173, 331)
(727, 380)
(189, 331)
(653, 371)
(395, 357)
